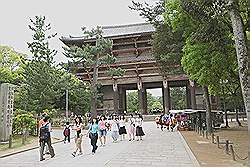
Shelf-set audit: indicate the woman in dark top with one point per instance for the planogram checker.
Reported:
(78, 139)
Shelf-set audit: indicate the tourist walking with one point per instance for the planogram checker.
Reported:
(66, 133)
(93, 134)
(114, 128)
(40, 123)
(122, 127)
(131, 127)
(139, 131)
(45, 138)
(172, 122)
(102, 126)
(78, 137)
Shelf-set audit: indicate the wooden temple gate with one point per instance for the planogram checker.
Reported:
(133, 51)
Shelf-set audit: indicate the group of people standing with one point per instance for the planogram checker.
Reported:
(99, 128)
(168, 121)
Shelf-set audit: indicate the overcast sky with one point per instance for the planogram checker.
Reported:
(66, 18)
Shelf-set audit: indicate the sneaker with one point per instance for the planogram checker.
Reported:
(80, 153)
(42, 159)
(129, 140)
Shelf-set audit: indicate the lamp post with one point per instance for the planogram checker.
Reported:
(67, 104)
(224, 100)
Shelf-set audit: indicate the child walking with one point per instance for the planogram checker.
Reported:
(66, 133)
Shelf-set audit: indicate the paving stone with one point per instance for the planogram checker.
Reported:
(157, 149)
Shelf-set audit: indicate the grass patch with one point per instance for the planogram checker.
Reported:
(17, 142)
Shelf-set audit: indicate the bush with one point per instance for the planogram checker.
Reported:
(23, 122)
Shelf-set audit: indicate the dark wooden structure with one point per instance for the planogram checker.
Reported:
(133, 50)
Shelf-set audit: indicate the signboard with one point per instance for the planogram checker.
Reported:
(6, 110)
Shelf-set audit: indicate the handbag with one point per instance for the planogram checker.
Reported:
(92, 135)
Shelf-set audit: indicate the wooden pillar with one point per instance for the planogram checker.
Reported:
(115, 96)
(193, 95)
(122, 100)
(142, 97)
(166, 97)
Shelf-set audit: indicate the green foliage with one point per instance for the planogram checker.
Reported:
(44, 85)
(132, 102)
(178, 98)
(167, 49)
(153, 102)
(152, 13)
(39, 47)
(10, 65)
(23, 120)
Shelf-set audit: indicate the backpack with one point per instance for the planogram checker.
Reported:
(44, 132)
(66, 131)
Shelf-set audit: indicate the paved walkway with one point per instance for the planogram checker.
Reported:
(157, 149)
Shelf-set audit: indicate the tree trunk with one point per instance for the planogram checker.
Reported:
(237, 117)
(226, 118)
(242, 55)
(208, 110)
(93, 105)
(23, 136)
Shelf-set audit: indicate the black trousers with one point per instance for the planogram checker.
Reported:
(93, 142)
(67, 138)
(42, 145)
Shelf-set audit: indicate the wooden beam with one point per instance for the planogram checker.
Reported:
(152, 61)
(170, 78)
(131, 50)
(131, 69)
(130, 43)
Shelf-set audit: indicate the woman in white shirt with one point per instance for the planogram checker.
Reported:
(122, 128)
(131, 127)
(114, 128)
(138, 123)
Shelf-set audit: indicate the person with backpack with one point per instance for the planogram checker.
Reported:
(93, 134)
(66, 132)
(45, 138)
(78, 139)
